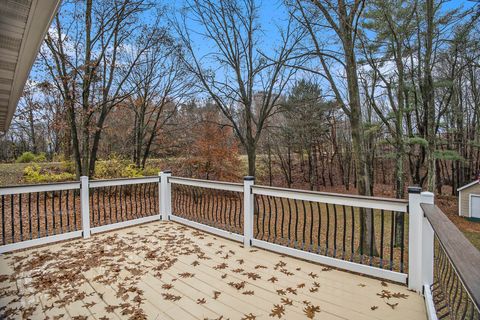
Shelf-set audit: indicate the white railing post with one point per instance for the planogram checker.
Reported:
(165, 195)
(420, 241)
(248, 210)
(85, 206)
(427, 243)
(415, 222)
(160, 195)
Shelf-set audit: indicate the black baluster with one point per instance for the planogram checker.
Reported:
(311, 226)
(104, 190)
(120, 192)
(304, 239)
(269, 217)
(240, 211)
(352, 245)
(295, 241)
(283, 218)
(74, 209)
(335, 227)
(382, 226)
(319, 236)
(402, 246)
(392, 237)
(372, 233)
(290, 238)
(38, 214)
(327, 239)
(276, 218)
(263, 216)
(20, 215)
(45, 212)
(344, 232)
(115, 191)
(60, 210)
(3, 219)
(362, 220)
(12, 205)
(256, 209)
(30, 215)
(67, 207)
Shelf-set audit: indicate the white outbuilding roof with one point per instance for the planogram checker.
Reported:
(468, 185)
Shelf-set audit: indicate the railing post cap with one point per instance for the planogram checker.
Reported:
(415, 189)
(249, 178)
(167, 171)
(84, 178)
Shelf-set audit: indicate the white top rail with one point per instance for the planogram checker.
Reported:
(44, 187)
(220, 185)
(397, 205)
(123, 181)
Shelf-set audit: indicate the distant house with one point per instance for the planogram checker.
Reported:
(469, 199)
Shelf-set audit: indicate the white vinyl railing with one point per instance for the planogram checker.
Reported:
(321, 227)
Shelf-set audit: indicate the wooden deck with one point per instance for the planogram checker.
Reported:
(163, 270)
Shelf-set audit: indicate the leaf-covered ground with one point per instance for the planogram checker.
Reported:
(168, 271)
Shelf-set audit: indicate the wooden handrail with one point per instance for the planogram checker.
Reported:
(464, 257)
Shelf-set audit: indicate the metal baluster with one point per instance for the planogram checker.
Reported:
(289, 223)
(104, 206)
(311, 227)
(74, 210)
(67, 207)
(12, 205)
(269, 217)
(231, 212)
(115, 203)
(30, 215)
(402, 246)
(352, 245)
(276, 218)
(283, 218)
(335, 226)
(319, 236)
(45, 212)
(20, 215)
(372, 233)
(344, 232)
(256, 209)
(240, 211)
(60, 210)
(295, 241)
(37, 206)
(304, 239)
(382, 226)
(392, 236)
(3, 219)
(120, 201)
(328, 230)
(263, 216)
(362, 240)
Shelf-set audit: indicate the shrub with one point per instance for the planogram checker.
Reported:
(28, 157)
(116, 168)
(35, 174)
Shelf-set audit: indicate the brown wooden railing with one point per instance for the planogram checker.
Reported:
(456, 269)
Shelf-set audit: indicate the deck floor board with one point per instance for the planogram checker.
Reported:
(163, 270)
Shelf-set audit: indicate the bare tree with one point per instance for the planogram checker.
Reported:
(340, 21)
(84, 57)
(243, 82)
(159, 84)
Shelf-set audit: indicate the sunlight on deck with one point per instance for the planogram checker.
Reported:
(163, 270)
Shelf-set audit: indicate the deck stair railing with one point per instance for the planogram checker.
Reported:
(450, 268)
(398, 240)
